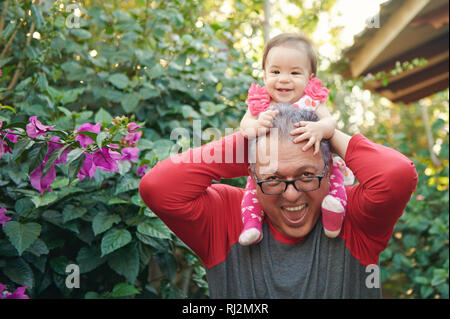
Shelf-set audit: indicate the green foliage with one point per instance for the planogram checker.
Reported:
(149, 62)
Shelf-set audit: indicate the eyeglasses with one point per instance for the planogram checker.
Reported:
(302, 184)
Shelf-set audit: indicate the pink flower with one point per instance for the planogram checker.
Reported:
(88, 168)
(141, 170)
(36, 128)
(53, 147)
(130, 154)
(10, 135)
(1, 72)
(42, 183)
(4, 148)
(3, 218)
(131, 127)
(420, 197)
(85, 140)
(132, 138)
(258, 99)
(106, 159)
(19, 293)
(315, 90)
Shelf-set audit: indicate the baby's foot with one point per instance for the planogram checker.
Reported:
(250, 236)
(332, 216)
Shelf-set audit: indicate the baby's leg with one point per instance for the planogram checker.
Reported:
(252, 216)
(334, 205)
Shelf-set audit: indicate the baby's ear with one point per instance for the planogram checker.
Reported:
(311, 76)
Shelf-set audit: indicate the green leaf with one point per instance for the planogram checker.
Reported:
(104, 221)
(103, 116)
(37, 154)
(119, 80)
(130, 102)
(75, 166)
(114, 239)
(37, 13)
(81, 33)
(21, 145)
(155, 228)
(74, 154)
(23, 205)
(70, 96)
(38, 248)
(88, 259)
(22, 236)
(126, 184)
(188, 112)
(44, 200)
(20, 272)
(52, 158)
(122, 290)
(101, 137)
(92, 135)
(71, 212)
(125, 262)
(210, 109)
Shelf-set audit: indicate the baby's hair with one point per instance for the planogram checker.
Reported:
(292, 39)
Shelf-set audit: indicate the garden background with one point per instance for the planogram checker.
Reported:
(163, 65)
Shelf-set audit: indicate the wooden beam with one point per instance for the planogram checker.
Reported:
(432, 61)
(386, 34)
(427, 50)
(417, 95)
(424, 75)
(413, 88)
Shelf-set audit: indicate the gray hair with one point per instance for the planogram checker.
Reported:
(284, 123)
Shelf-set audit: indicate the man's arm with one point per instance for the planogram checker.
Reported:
(180, 191)
(386, 180)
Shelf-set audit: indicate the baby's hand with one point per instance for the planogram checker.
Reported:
(252, 126)
(311, 131)
(265, 119)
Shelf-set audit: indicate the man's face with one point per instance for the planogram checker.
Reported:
(292, 213)
(286, 73)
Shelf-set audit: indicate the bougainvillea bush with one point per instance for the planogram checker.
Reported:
(86, 110)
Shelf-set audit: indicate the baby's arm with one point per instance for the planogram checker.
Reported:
(315, 131)
(255, 125)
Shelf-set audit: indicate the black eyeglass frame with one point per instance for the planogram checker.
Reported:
(288, 182)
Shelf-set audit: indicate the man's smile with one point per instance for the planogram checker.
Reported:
(294, 216)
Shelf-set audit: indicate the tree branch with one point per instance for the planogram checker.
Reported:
(3, 17)
(10, 41)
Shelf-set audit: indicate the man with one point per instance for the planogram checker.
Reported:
(294, 259)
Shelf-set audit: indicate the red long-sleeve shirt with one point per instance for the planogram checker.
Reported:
(207, 216)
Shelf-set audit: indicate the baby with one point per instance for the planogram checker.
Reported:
(290, 64)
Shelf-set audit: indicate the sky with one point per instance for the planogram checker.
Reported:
(351, 15)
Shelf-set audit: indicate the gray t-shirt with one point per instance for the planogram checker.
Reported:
(317, 267)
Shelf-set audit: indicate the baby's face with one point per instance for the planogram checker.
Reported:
(286, 73)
